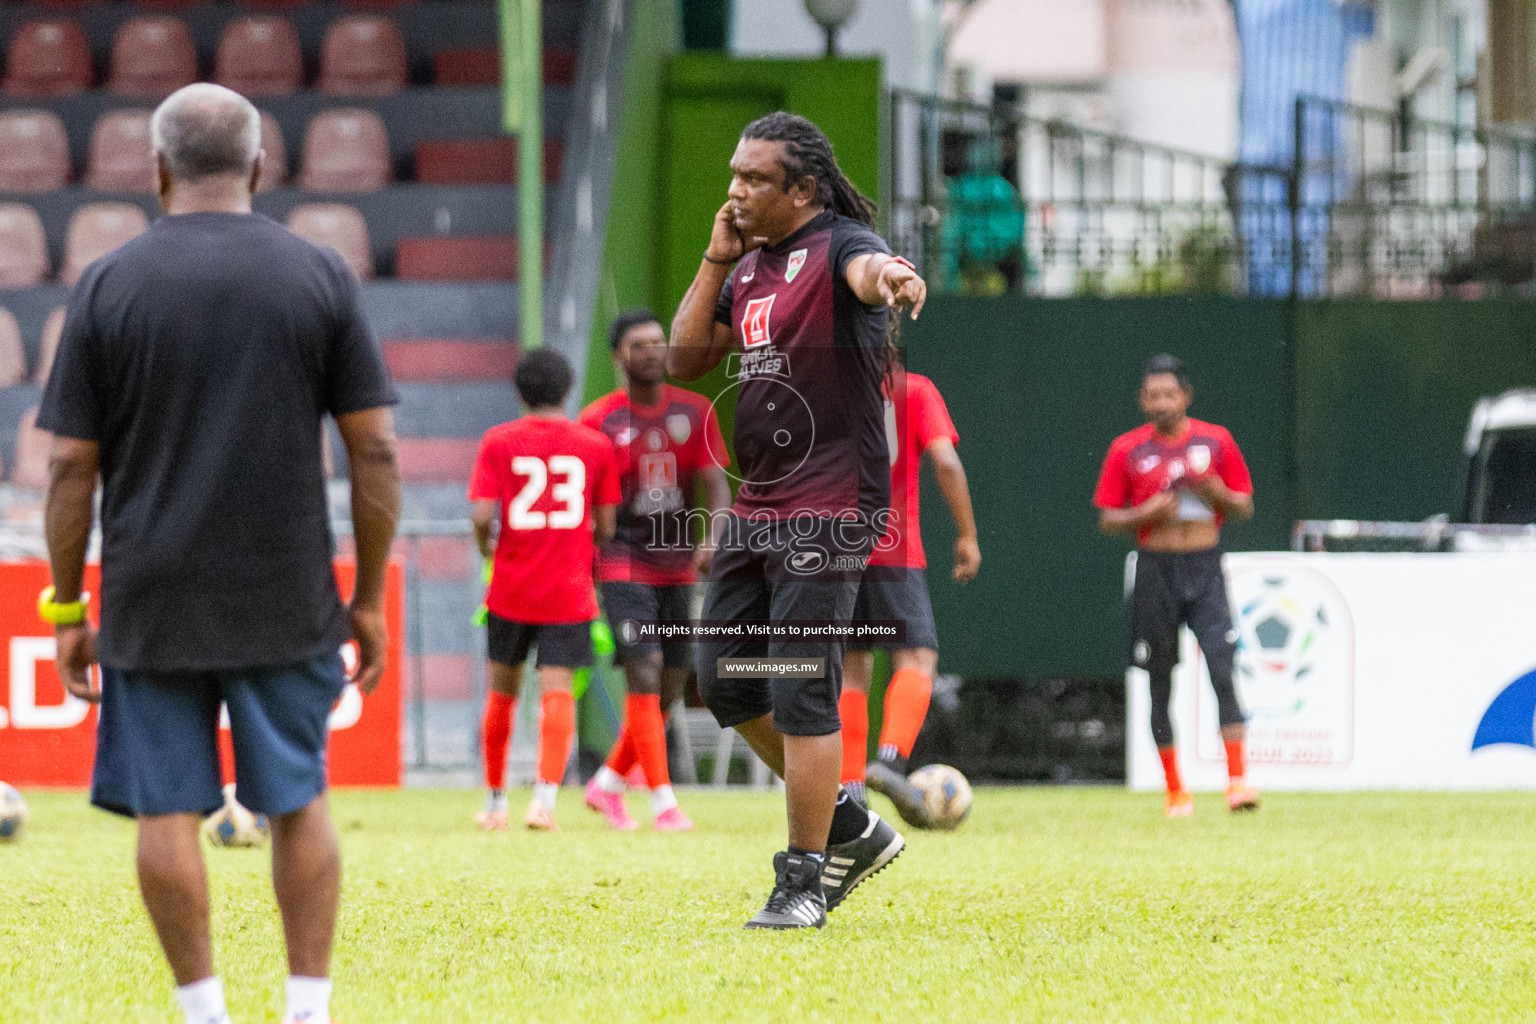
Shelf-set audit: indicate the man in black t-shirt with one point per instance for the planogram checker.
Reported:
(197, 364)
(802, 321)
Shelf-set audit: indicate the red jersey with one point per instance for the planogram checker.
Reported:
(659, 451)
(1143, 462)
(548, 474)
(910, 427)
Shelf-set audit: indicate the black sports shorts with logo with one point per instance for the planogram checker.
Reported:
(1174, 589)
(627, 603)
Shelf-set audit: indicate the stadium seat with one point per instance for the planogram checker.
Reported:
(450, 258)
(32, 450)
(53, 331)
(439, 360)
(95, 230)
(48, 58)
(274, 166)
(34, 151)
(346, 150)
(260, 56)
(13, 357)
(121, 159)
(362, 56)
(23, 247)
(479, 161)
(152, 57)
(338, 226)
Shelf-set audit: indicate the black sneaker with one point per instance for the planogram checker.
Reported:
(909, 801)
(796, 901)
(850, 863)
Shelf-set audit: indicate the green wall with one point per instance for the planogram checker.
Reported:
(1038, 388)
(1384, 390)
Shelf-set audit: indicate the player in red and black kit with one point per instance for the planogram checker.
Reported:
(802, 322)
(1173, 482)
(667, 440)
(552, 484)
(894, 588)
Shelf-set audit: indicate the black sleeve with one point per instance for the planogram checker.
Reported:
(72, 401)
(356, 376)
(850, 240)
(723, 303)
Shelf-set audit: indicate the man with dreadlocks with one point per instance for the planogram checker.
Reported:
(804, 317)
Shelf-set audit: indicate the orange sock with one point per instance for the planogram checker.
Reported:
(649, 736)
(495, 731)
(853, 709)
(555, 735)
(906, 705)
(1170, 756)
(622, 757)
(1235, 766)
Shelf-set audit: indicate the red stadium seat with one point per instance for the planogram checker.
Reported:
(274, 165)
(481, 65)
(346, 150)
(152, 57)
(23, 247)
(479, 161)
(95, 230)
(362, 56)
(13, 357)
(260, 56)
(33, 447)
(434, 460)
(378, 3)
(48, 58)
(34, 151)
(121, 158)
(449, 258)
(53, 332)
(339, 226)
(438, 360)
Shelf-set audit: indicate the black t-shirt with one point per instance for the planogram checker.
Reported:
(203, 356)
(810, 416)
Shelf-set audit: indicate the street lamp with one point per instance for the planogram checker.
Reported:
(831, 15)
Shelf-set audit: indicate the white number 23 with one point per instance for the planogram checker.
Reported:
(569, 492)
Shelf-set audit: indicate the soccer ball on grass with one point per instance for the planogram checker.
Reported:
(946, 794)
(233, 825)
(13, 813)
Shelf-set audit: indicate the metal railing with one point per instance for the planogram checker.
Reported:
(989, 200)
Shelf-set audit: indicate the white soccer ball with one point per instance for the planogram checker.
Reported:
(233, 825)
(946, 794)
(13, 813)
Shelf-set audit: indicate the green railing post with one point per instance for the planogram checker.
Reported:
(522, 50)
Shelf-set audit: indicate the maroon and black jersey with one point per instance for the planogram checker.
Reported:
(660, 450)
(810, 422)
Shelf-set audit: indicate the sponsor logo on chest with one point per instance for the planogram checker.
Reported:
(755, 322)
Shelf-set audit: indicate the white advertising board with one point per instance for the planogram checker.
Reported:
(1363, 671)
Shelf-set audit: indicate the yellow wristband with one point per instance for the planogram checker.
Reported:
(57, 614)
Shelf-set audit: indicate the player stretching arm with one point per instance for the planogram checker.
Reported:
(894, 589)
(1172, 483)
(552, 486)
(667, 440)
(807, 305)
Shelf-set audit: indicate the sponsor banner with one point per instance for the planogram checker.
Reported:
(48, 737)
(1363, 671)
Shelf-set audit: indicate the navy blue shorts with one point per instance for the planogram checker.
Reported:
(157, 742)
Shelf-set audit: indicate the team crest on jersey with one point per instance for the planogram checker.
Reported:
(654, 440)
(754, 323)
(796, 261)
(1199, 457)
(679, 427)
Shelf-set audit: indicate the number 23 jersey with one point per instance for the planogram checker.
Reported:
(547, 475)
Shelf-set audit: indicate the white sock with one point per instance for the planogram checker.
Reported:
(609, 781)
(202, 1002)
(662, 800)
(544, 793)
(309, 1000)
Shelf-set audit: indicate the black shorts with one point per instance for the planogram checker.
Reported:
(892, 593)
(559, 644)
(626, 603)
(1174, 589)
(805, 570)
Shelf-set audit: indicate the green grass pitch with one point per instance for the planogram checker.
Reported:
(1049, 904)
